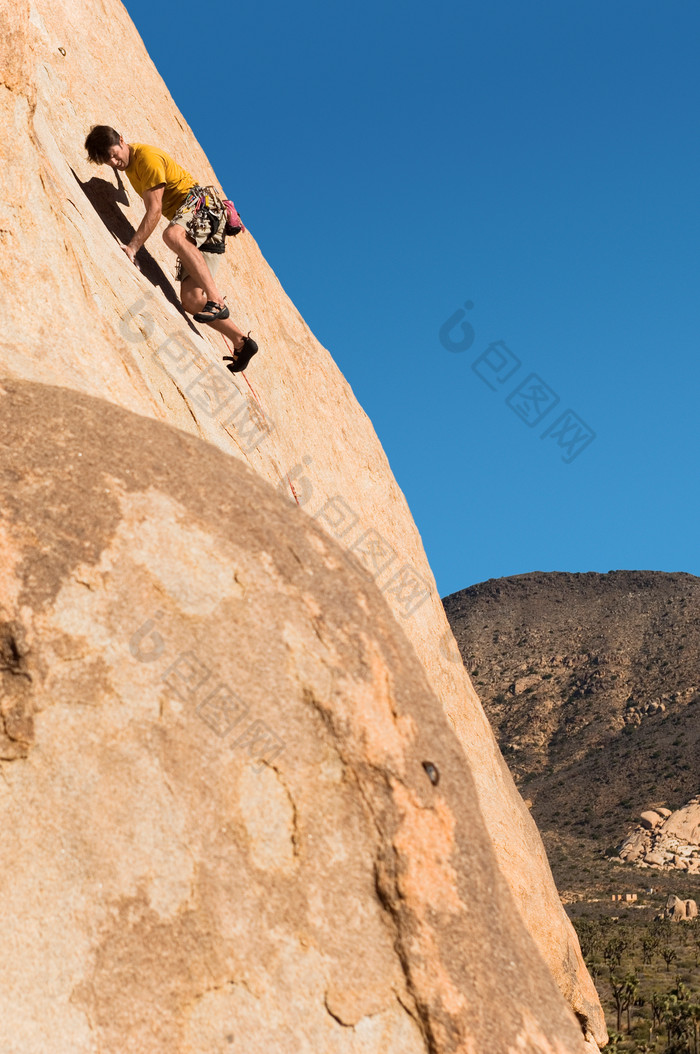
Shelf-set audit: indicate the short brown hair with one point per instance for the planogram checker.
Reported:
(98, 142)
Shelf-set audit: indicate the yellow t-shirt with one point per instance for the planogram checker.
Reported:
(148, 167)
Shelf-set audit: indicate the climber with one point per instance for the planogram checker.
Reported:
(197, 222)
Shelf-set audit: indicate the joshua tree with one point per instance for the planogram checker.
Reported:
(623, 992)
(629, 996)
(669, 955)
(614, 950)
(614, 1039)
(678, 1019)
(650, 943)
(617, 987)
(589, 937)
(695, 1020)
(672, 1017)
(657, 1009)
(661, 928)
(657, 1003)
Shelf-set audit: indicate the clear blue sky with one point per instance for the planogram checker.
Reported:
(541, 160)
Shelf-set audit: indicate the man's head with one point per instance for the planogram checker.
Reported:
(105, 146)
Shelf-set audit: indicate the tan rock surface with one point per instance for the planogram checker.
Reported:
(170, 882)
(678, 910)
(635, 845)
(107, 330)
(684, 824)
(666, 840)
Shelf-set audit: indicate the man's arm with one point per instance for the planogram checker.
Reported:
(153, 200)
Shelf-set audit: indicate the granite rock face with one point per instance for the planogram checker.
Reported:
(678, 910)
(234, 815)
(117, 333)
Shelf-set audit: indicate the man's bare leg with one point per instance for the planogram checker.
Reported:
(177, 239)
(229, 328)
(194, 298)
(199, 286)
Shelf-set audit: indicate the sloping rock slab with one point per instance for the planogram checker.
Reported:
(235, 817)
(114, 332)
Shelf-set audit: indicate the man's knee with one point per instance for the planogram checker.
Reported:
(175, 234)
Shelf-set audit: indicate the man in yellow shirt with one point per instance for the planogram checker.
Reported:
(197, 223)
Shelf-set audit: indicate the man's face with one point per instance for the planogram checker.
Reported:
(118, 156)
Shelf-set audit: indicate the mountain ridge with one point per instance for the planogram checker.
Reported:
(592, 684)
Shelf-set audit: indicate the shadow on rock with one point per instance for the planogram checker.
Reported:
(105, 198)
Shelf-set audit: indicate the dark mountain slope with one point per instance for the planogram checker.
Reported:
(592, 684)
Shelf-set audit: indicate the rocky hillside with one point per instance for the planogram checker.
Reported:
(665, 840)
(592, 685)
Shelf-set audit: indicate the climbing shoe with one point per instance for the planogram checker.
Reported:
(212, 311)
(239, 362)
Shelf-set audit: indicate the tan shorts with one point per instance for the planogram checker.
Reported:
(204, 225)
(213, 261)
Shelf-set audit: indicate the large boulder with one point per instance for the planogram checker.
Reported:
(666, 840)
(684, 823)
(234, 815)
(678, 910)
(634, 846)
(106, 329)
